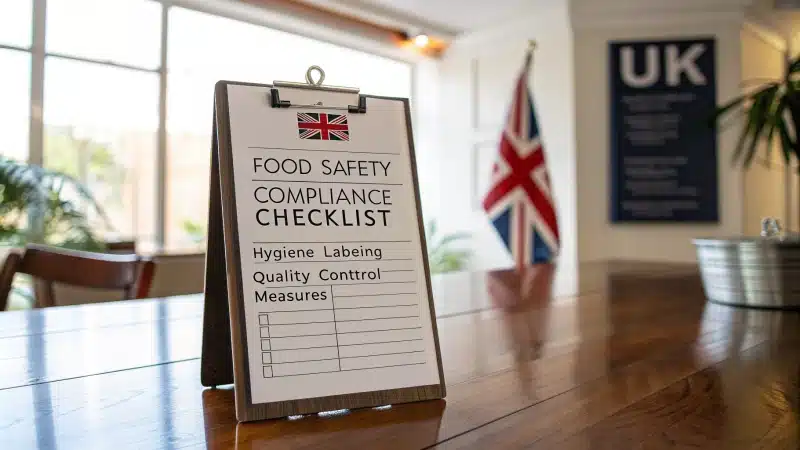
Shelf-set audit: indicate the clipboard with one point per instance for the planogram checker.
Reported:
(228, 329)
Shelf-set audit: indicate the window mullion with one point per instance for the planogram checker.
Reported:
(161, 151)
(36, 133)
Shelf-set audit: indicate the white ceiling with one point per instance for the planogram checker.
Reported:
(461, 15)
(448, 17)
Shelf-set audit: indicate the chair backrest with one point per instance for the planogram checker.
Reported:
(120, 246)
(130, 273)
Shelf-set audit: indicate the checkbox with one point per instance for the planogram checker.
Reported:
(265, 345)
(267, 371)
(266, 358)
(263, 319)
(265, 332)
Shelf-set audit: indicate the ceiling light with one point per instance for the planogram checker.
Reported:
(421, 40)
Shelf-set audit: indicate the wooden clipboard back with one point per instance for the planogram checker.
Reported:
(216, 360)
(224, 345)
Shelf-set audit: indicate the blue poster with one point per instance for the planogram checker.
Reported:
(663, 150)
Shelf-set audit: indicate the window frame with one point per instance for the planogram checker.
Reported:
(38, 55)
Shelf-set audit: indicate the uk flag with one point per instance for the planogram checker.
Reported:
(326, 127)
(519, 202)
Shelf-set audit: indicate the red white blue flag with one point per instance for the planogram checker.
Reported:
(520, 201)
(322, 126)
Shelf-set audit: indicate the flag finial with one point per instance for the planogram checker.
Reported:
(529, 53)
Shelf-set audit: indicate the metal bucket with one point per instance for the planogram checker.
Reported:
(761, 272)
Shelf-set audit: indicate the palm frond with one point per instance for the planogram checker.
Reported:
(794, 66)
(760, 117)
(769, 115)
(45, 206)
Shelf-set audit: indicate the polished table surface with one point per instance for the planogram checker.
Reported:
(607, 355)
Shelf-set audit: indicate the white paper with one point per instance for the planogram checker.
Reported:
(371, 328)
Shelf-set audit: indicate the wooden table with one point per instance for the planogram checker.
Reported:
(622, 355)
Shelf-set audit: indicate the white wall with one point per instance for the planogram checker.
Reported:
(476, 81)
(598, 238)
(426, 117)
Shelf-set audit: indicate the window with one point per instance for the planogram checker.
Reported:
(101, 117)
(15, 32)
(14, 106)
(120, 31)
(101, 127)
(198, 59)
(100, 106)
(16, 23)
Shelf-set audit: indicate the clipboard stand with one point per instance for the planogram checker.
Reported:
(275, 99)
(224, 359)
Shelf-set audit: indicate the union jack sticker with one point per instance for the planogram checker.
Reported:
(323, 126)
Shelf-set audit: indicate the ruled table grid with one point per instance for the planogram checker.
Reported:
(359, 331)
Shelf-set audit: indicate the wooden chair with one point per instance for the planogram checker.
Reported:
(130, 273)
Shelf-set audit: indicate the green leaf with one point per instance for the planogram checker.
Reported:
(723, 110)
(786, 141)
(743, 135)
(794, 66)
(737, 101)
(776, 118)
(760, 117)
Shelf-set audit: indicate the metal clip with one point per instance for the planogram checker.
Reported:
(277, 102)
(310, 77)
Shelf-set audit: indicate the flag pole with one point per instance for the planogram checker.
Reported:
(528, 61)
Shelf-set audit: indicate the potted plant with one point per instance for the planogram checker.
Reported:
(48, 207)
(759, 271)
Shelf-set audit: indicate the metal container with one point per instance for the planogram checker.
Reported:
(760, 272)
